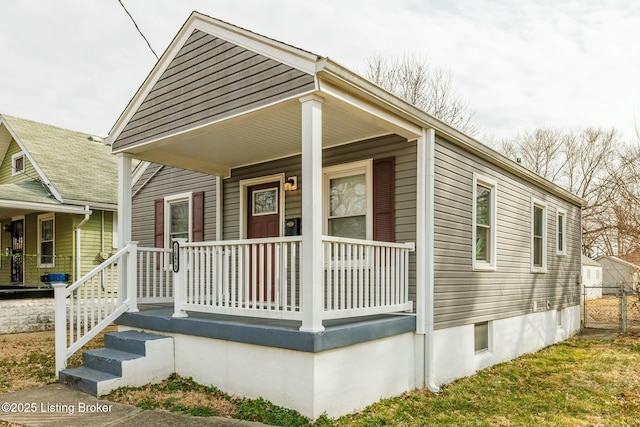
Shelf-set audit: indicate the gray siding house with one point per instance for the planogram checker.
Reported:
(333, 240)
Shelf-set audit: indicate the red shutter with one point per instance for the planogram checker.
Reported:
(384, 199)
(159, 223)
(197, 220)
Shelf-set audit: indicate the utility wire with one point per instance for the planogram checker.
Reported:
(137, 28)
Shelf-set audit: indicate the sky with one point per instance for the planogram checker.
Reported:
(521, 64)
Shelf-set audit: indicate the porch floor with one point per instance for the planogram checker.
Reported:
(270, 332)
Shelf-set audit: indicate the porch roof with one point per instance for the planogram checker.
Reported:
(262, 122)
(31, 196)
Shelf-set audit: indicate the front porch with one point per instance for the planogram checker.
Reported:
(263, 277)
(275, 333)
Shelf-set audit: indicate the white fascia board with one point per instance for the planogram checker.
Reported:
(41, 174)
(45, 207)
(399, 125)
(138, 171)
(281, 52)
(94, 205)
(289, 55)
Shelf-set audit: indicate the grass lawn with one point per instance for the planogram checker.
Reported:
(580, 382)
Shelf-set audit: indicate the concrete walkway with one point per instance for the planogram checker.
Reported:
(58, 405)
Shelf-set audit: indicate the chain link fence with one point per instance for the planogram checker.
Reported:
(611, 307)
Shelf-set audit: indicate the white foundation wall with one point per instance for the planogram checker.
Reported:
(455, 357)
(338, 381)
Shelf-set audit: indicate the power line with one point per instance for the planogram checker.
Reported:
(137, 28)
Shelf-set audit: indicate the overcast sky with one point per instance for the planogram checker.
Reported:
(521, 64)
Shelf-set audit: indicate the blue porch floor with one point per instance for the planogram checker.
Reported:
(269, 332)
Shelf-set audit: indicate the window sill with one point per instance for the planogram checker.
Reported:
(539, 270)
(484, 267)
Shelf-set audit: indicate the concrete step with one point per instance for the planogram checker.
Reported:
(86, 379)
(129, 358)
(130, 341)
(107, 360)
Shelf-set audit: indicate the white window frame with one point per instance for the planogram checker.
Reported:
(536, 203)
(168, 200)
(41, 218)
(349, 169)
(14, 157)
(561, 213)
(479, 265)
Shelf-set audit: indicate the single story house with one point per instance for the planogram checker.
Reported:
(617, 273)
(303, 235)
(591, 278)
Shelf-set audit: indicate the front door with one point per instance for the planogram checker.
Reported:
(263, 220)
(16, 249)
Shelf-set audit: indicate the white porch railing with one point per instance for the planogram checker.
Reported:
(364, 277)
(155, 277)
(261, 278)
(256, 278)
(85, 308)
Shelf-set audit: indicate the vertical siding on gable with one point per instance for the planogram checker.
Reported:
(166, 182)
(463, 296)
(210, 79)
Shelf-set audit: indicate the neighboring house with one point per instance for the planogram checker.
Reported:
(591, 278)
(337, 244)
(58, 198)
(617, 273)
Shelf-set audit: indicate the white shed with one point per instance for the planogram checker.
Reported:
(591, 278)
(617, 272)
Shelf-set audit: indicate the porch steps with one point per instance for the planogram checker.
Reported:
(129, 358)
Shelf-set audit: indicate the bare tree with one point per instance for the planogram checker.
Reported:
(429, 88)
(593, 164)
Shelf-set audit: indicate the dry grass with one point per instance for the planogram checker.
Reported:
(28, 359)
(606, 309)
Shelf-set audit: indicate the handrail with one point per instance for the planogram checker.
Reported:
(88, 306)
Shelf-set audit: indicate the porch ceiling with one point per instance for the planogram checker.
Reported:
(266, 134)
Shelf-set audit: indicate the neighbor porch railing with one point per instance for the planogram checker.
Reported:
(87, 307)
(261, 278)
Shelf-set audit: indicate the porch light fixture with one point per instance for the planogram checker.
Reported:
(291, 183)
(6, 228)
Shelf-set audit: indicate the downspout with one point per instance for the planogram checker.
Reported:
(78, 249)
(429, 138)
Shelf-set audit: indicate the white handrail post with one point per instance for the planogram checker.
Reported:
(180, 280)
(60, 300)
(132, 276)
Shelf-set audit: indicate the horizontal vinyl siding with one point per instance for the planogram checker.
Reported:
(405, 188)
(156, 184)
(210, 79)
(464, 296)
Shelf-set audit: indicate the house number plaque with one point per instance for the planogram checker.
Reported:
(175, 254)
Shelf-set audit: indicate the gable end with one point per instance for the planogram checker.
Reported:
(210, 79)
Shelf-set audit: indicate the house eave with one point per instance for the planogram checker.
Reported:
(43, 207)
(333, 72)
(93, 205)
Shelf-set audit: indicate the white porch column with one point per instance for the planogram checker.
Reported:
(312, 259)
(124, 219)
